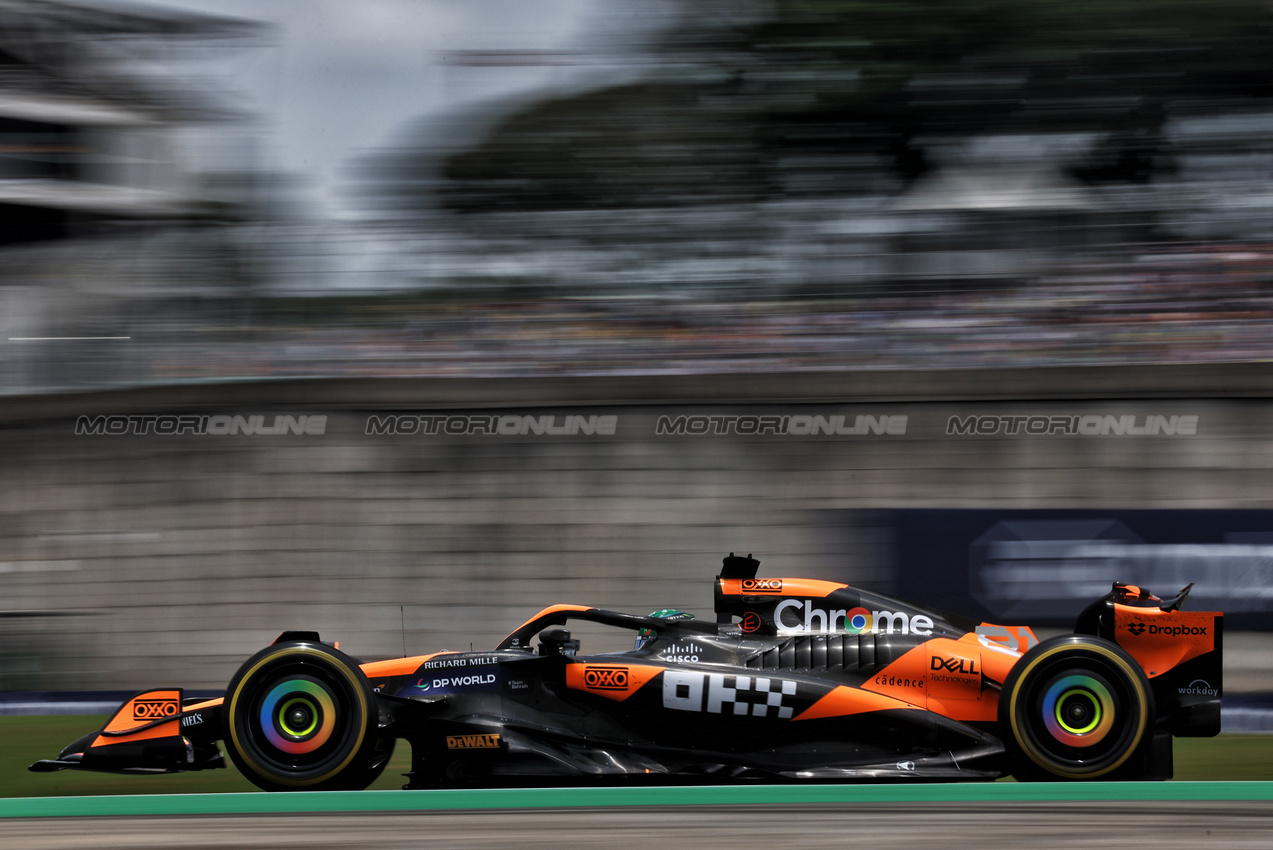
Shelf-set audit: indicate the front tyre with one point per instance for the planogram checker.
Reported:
(1075, 707)
(300, 716)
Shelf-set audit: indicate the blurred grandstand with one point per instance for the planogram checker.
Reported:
(822, 187)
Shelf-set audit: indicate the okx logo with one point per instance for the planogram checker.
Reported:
(717, 693)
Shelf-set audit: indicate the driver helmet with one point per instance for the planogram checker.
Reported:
(644, 636)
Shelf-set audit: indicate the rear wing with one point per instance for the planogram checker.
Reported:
(1181, 652)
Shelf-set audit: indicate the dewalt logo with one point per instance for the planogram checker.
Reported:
(762, 585)
(472, 742)
(605, 678)
(155, 709)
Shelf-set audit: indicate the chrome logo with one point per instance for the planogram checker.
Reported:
(1078, 711)
(858, 621)
(298, 716)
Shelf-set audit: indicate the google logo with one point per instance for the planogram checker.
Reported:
(858, 621)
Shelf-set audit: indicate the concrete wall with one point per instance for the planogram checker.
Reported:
(150, 559)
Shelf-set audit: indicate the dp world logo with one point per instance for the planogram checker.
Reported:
(1136, 628)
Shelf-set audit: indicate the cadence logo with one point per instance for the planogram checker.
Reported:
(605, 678)
(802, 616)
(762, 585)
(472, 742)
(155, 709)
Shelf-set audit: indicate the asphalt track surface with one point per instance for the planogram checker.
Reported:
(1123, 825)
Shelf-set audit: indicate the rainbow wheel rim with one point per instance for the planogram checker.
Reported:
(1078, 711)
(298, 716)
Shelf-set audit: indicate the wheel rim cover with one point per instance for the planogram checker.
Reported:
(1083, 692)
(306, 695)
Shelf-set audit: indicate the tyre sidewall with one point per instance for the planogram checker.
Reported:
(354, 742)
(1032, 754)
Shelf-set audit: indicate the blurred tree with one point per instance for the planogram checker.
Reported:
(976, 67)
(816, 96)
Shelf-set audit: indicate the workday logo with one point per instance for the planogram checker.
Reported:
(1199, 687)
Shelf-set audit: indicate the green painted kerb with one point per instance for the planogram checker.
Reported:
(532, 798)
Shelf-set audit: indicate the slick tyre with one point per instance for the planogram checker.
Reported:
(300, 716)
(1076, 707)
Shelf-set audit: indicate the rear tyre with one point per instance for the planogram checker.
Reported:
(1076, 707)
(300, 716)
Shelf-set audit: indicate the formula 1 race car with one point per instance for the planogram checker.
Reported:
(798, 679)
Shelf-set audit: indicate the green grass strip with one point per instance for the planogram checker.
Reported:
(530, 798)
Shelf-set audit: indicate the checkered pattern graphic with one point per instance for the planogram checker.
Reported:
(743, 695)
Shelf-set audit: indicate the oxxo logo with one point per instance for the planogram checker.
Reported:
(605, 678)
(954, 665)
(762, 585)
(155, 709)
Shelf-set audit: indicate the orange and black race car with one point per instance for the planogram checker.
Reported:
(798, 679)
